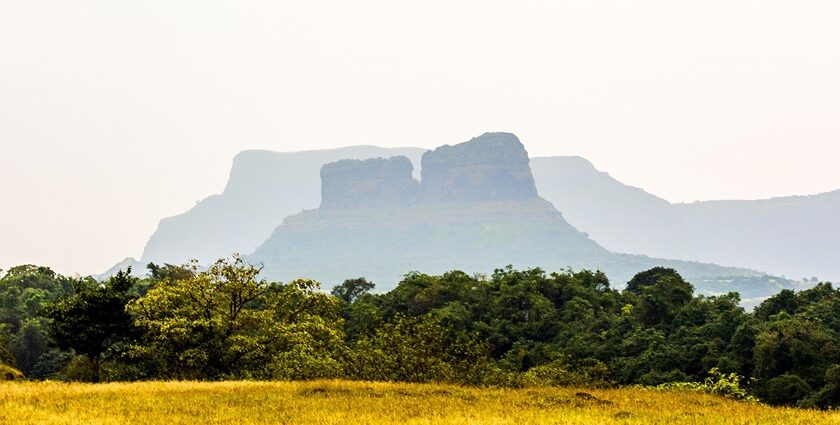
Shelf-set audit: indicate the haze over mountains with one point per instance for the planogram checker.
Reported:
(266, 187)
(793, 236)
(476, 208)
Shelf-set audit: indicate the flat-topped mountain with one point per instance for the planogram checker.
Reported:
(442, 230)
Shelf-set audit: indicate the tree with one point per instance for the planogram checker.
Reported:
(170, 272)
(29, 344)
(662, 292)
(351, 289)
(649, 278)
(225, 322)
(415, 349)
(94, 319)
(785, 301)
(5, 354)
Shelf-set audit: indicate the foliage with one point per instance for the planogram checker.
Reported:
(8, 373)
(418, 350)
(94, 321)
(512, 328)
(726, 385)
(224, 322)
(24, 330)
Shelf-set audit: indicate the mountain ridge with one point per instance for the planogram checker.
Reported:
(622, 218)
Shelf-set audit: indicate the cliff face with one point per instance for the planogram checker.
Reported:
(264, 187)
(372, 183)
(491, 167)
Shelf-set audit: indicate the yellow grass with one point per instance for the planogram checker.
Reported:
(337, 402)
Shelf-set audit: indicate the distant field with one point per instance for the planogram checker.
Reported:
(335, 402)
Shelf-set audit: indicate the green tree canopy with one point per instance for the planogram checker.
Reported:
(94, 319)
(225, 322)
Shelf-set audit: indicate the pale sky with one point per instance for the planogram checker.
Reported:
(114, 114)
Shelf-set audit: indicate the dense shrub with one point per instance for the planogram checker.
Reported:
(785, 389)
(8, 373)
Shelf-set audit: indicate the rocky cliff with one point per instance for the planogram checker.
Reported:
(491, 167)
(370, 183)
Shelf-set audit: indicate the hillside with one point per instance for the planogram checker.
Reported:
(791, 236)
(621, 218)
(796, 236)
(337, 402)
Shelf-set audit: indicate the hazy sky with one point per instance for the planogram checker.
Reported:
(114, 114)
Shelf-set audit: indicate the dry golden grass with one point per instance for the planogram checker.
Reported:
(337, 402)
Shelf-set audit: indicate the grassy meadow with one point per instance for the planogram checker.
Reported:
(339, 402)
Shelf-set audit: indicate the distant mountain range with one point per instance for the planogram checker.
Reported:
(266, 187)
(797, 236)
(793, 236)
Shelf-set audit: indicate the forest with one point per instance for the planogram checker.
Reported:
(512, 328)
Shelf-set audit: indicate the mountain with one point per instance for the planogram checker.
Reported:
(798, 236)
(794, 236)
(264, 187)
(476, 208)
(621, 218)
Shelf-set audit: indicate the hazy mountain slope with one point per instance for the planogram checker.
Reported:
(382, 244)
(621, 218)
(264, 187)
(794, 236)
(798, 236)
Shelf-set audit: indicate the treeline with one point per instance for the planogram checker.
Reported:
(512, 328)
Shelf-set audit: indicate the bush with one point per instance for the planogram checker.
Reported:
(828, 397)
(52, 365)
(718, 383)
(8, 373)
(559, 374)
(785, 389)
(81, 368)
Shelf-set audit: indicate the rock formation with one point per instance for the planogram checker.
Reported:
(371, 183)
(491, 167)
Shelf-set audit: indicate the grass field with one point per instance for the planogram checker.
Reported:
(335, 402)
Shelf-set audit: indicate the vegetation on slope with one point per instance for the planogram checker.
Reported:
(384, 243)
